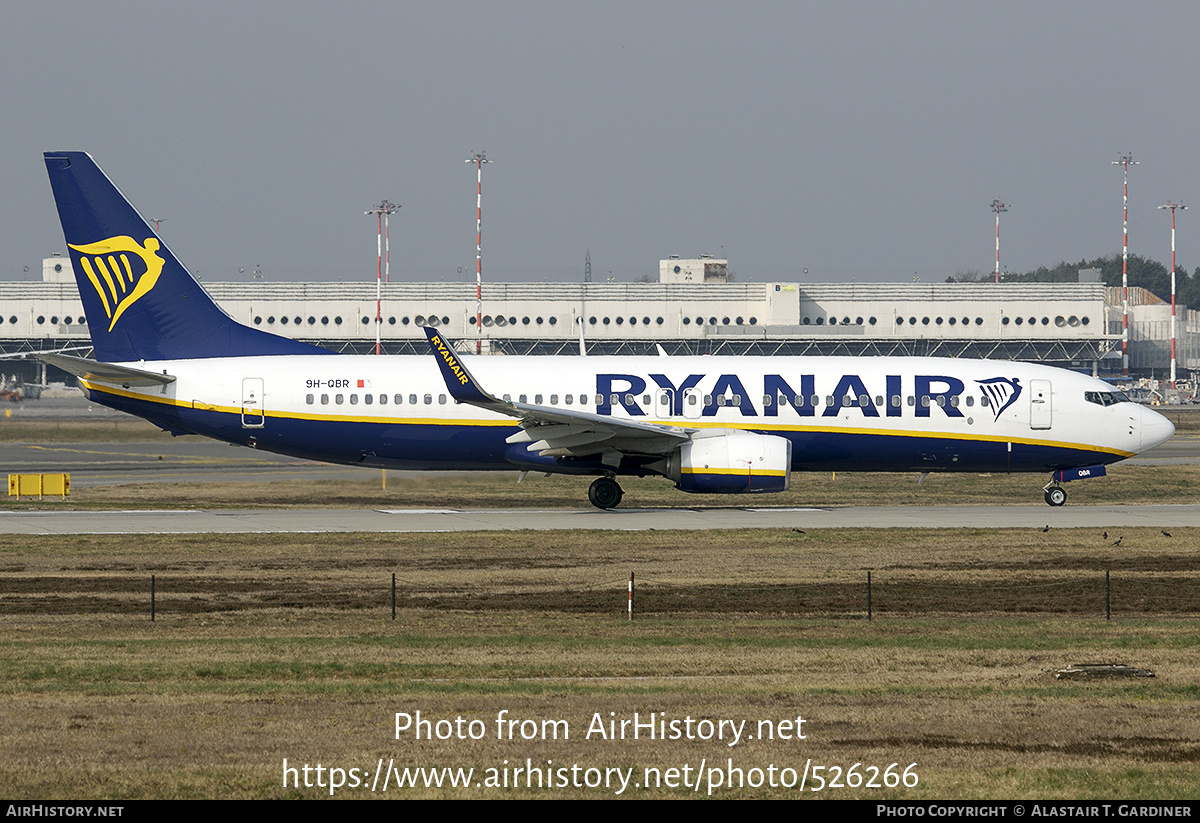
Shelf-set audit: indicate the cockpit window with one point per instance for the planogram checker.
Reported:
(1105, 398)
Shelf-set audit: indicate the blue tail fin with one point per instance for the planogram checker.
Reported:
(140, 302)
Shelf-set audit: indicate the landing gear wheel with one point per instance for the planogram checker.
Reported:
(605, 493)
(1056, 496)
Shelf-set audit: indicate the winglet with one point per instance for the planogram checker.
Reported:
(462, 385)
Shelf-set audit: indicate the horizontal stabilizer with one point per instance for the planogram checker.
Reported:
(89, 370)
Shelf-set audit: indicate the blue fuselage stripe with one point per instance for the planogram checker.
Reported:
(467, 447)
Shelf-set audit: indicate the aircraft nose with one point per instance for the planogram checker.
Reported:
(1155, 429)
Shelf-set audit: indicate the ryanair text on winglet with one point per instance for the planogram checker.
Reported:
(450, 360)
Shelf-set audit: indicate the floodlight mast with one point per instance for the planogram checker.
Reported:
(1173, 207)
(478, 159)
(1125, 161)
(381, 212)
(998, 206)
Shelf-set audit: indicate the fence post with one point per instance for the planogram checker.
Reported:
(1107, 597)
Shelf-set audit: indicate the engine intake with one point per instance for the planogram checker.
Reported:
(728, 461)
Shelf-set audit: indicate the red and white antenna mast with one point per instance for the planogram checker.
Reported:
(1173, 207)
(478, 159)
(998, 206)
(381, 212)
(1125, 161)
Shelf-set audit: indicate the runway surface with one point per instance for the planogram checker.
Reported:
(444, 520)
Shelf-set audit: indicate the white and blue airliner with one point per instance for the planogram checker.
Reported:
(164, 351)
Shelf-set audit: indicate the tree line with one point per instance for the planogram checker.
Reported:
(1149, 274)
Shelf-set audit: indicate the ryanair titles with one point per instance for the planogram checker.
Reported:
(451, 361)
(694, 396)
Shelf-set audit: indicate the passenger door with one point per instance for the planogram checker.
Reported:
(1040, 411)
(252, 403)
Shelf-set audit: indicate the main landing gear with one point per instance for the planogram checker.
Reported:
(605, 493)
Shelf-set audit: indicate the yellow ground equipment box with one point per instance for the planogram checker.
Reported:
(27, 485)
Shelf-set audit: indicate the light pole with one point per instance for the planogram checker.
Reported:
(1125, 161)
(478, 159)
(1173, 207)
(998, 206)
(381, 212)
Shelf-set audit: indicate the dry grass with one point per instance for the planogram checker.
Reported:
(282, 646)
(1125, 484)
(71, 430)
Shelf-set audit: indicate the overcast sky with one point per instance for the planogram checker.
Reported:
(856, 140)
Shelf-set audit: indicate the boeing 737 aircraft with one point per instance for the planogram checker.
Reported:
(728, 425)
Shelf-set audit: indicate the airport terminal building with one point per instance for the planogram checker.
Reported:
(693, 309)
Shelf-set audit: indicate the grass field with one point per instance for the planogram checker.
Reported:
(1124, 485)
(269, 647)
(274, 647)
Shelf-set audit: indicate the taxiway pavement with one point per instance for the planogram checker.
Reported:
(268, 521)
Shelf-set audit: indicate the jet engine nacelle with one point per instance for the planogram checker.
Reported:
(728, 461)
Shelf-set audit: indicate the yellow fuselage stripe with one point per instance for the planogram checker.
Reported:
(697, 424)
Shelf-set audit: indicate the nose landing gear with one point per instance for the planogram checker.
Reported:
(1055, 494)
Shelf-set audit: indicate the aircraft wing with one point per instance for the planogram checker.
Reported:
(554, 432)
(93, 370)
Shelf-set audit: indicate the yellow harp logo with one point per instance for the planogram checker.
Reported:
(106, 263)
